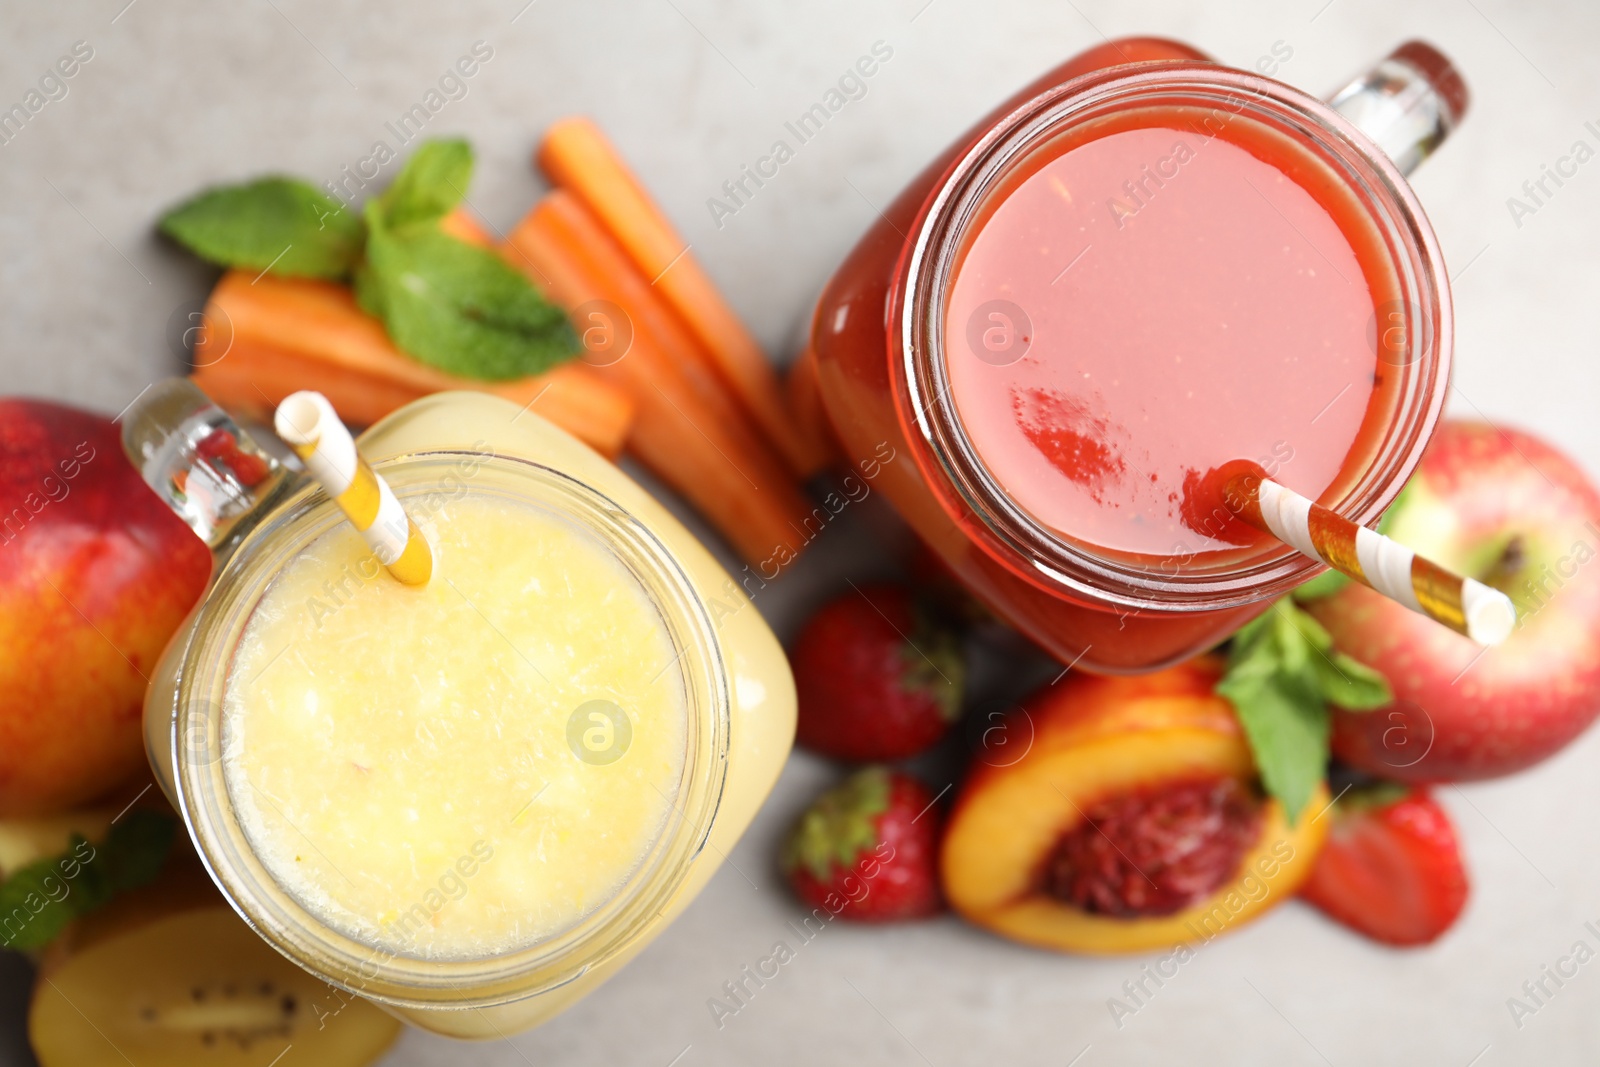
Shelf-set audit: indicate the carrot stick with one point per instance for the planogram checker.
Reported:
(330, 344)
(648, 314)
(576, 156)
(803, 391)
(464, 226)
(720, 465)
(255, 377)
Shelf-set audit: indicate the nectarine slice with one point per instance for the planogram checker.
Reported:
(1095, 740)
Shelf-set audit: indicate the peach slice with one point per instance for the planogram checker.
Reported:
(1092, 741)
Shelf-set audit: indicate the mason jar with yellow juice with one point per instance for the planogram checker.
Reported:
(469, 800)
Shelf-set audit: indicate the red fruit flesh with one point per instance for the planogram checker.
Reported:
(1155, 851)
(1392, 872)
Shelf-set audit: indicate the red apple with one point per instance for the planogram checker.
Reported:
(95, 575)
(1509, 510)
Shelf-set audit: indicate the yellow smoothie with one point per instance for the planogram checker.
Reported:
(466, 768)
(435, 773)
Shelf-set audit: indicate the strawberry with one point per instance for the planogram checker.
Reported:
(1391, 868)
(877, 677)
(867, 849)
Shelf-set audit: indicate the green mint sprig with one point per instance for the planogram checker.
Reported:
(281, 225)
(455, 306)
(445, 302)
(430, 185)
(1283, 672)
(39, 900)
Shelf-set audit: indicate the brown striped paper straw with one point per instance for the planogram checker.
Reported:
(1465, 605)
(309, 425)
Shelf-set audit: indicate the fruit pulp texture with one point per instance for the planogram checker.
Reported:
(1153, 295)
(422, 768)
(1156, 851)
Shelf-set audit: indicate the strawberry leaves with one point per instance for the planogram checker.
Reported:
(934, 664)
(1283, 672)
(841, 825)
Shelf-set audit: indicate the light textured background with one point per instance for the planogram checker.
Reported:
(179, 95)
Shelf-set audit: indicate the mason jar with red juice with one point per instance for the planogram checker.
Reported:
(1143, 266)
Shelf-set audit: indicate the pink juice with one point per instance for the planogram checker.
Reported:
(1151, 297)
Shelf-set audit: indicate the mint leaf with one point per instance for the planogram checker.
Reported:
(39, 900)
(458, 307)
(281, 224)
(1340, 679)
(1249, 637)
(137, 848)
(1287, 727)
(1294, 643)
(1353, 685)
(433, 182)
(1283, 672)
(446, 303)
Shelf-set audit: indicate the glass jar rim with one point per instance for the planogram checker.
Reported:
(947, 458)
(376, 972)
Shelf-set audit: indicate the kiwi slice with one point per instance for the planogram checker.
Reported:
(187, 982)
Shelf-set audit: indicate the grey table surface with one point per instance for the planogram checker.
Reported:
(181, 94)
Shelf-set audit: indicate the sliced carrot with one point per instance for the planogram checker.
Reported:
(326, 342)
(707, 454)
(255, 378)
(577, 156)
(647, 314)
(464, 226)
(804, 394)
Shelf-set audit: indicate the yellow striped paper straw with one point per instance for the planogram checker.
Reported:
(1465, 605)
(309, 425)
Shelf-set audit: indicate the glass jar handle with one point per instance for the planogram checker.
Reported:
(1407, 102)
(200, 463)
